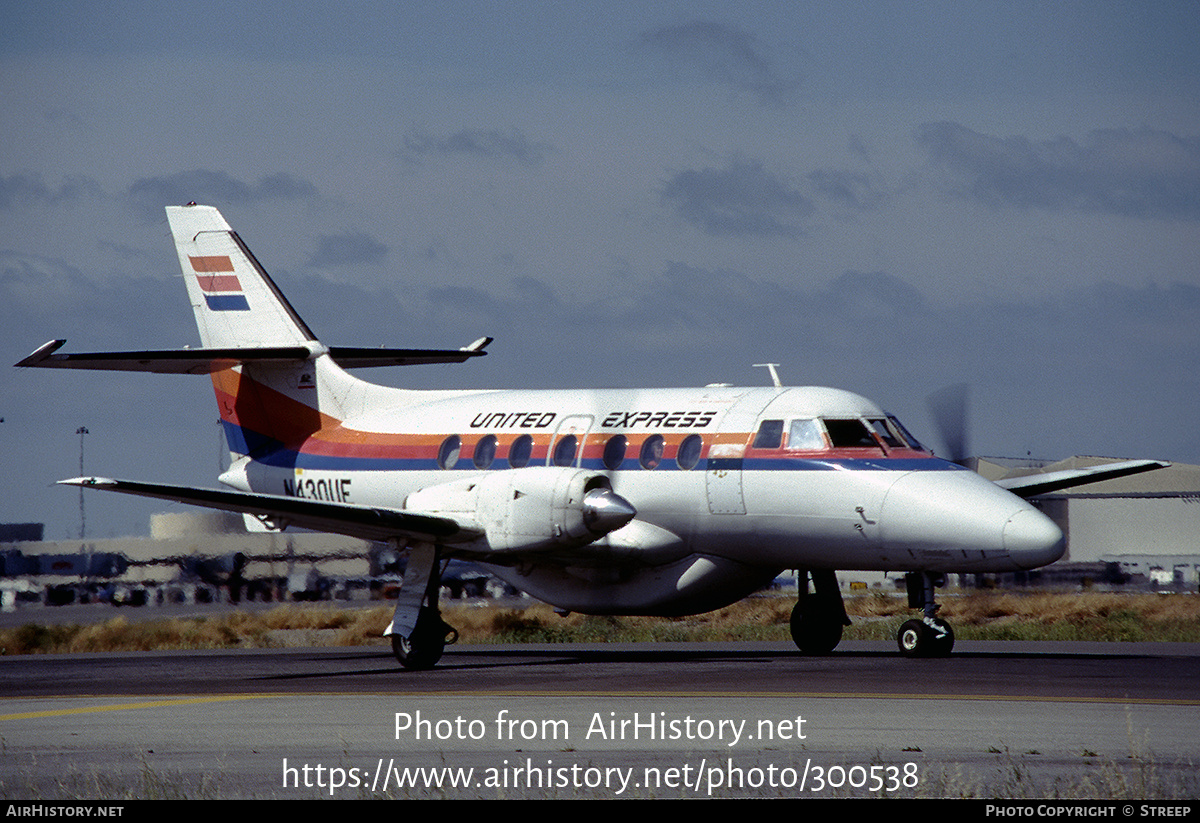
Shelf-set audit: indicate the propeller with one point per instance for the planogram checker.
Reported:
(948, 407)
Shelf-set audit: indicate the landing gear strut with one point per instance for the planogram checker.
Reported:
(929, 636)
(818, 616)
(419, 635)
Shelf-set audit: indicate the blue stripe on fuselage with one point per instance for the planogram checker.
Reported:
(270, 452)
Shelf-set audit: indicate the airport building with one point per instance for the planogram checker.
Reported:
(1145, 527)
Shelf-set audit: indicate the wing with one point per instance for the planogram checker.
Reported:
(365, 522)
(1035, 484)
(513, 512)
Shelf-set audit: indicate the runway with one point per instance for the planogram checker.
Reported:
(659, 720)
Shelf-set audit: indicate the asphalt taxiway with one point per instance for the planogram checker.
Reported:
(661, 720)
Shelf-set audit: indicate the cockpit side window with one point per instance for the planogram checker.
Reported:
(890, 438)
(913, 443)
(805, 434)
(851, 433)
(769, 435)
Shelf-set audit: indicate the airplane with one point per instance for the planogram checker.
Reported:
(601, 501)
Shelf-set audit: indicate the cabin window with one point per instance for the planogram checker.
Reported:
(614, 452)
(688, 455)
(485, 452)
(652, 452)
(805, 434)
(770, 435)
(564, 450)
(448, 454)
(520, 451)
(850, 434)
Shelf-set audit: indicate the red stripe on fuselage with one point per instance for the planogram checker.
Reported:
(250, 405)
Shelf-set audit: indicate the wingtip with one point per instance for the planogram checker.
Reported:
(87, 481)
(477, 346)
(41, 353)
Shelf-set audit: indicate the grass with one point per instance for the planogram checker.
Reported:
(1043, 616)
(876, 616)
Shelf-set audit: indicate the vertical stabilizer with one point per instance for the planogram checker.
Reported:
(235, 301)
(269, 407)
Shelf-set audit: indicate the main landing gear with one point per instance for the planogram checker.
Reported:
(929, 636)
(419, 635)
(818, 616)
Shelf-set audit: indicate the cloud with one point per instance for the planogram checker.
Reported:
(721, 54)
(150, 194)
(480, 143)
(848, 189)
(42, 297)
(743, 199)
(347, 249)
(875, 294)
(27, 190)
(1131, 173)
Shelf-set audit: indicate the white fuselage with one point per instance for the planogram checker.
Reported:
(717, 515)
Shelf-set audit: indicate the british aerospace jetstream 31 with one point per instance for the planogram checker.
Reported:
(635, 501)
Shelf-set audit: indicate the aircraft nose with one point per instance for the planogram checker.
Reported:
(1032, 539)
(959, 519)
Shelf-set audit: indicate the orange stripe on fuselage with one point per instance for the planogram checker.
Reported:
(245, 403)
(250, 405)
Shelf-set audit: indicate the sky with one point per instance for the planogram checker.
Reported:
(885, 197)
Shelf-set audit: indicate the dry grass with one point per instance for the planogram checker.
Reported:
(974, 615)
(1043, 616)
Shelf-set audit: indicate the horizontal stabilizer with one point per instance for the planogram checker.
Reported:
(1035, 484)
(207, 361)
(169, 361)
(365, 522)
(359, 358)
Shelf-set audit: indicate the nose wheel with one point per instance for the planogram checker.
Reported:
(930, 636)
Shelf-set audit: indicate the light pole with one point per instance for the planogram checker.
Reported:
(81, 431)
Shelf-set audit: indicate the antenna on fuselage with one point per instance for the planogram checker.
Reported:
(774, 374)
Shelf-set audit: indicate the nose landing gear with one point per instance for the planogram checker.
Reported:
(929, 636)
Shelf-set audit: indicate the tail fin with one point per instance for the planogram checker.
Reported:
(268, 407)
(276, 384)
(235, 301)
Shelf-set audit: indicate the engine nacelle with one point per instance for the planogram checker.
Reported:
(530, 509)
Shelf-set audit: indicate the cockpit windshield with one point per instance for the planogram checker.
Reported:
(850, 433)
(821, 433)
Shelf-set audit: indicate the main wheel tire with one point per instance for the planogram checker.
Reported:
(943, 640)
(917, 638)
(913, 638)
(424, 648)
(814, 631)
